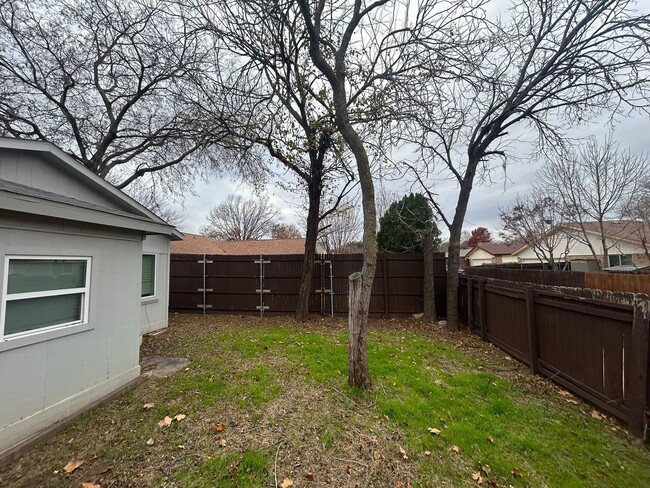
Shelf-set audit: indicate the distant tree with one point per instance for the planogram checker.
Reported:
(403, 226)
(480, 234)
(534, 219)
(238, 219)
(341, 229)
(597, 183)
(285, 231)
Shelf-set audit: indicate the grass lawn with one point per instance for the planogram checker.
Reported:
(266, 400)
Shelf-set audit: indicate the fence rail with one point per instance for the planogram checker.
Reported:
(628, 283)
(269, 284)
(594, 348)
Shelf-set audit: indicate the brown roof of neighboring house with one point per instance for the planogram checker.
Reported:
(197, 244)
(498, 249)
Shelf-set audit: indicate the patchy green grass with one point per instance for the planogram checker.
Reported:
(279, 388)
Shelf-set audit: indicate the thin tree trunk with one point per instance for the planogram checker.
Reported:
(311, 237)
(430, 312)
(453, 260)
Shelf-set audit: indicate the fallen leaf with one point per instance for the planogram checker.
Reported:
(596, 415)
(71, 466)
(563, 393)
(490, 440)
(401, 484)
(486, 468)
(477, 477)
(434, 431)
(455, 448)
(601, 474)
(569, 400)
(286, 482)
(403, 452)
(516, 473)
(310, 476)
(222, 442)
(148, 406)
(218, 427)
(348, 469)
(179, 417)
(492, 484)
(427, 453)
(149, 442)
(90, 485)
(166, 422)
(376, 455)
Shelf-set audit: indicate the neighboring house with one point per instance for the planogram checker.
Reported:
(623, 240)
(197, 244)
(84, 270)
(492, 253)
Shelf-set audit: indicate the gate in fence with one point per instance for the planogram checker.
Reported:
(269, 284)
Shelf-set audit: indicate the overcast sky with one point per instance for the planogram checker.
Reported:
(483, 209)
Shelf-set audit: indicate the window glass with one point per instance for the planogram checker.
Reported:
(35, 313)
(28, 275)
(148, 275)
(626, 259)
(44, 293)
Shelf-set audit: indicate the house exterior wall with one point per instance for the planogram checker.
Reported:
(580, 250)
(50, 375)
(153, 310)
(479, 257)
(34, 170)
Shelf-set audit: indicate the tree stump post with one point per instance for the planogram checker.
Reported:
(358, 374)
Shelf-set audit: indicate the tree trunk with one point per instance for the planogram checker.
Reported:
(430, 312)
(358, 373)
(453, 260)
(311, 237)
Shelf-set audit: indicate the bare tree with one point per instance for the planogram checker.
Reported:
(108, 81)
(375, 40)
(238, 219)
(549, 66)
(535, 220)
(640, 212)
(341, 228)
(598, 183)
(288, 112)
(285, 231)
(150, 196)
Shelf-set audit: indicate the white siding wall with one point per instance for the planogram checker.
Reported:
(153, 312)
(581, 249)
(48, 380)
(479, 257)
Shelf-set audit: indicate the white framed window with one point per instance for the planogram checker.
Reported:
(148, 289)
(42, 293)
(619, 259)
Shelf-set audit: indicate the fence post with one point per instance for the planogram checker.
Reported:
(470, 304)
(532, 328)
(639, 369)
(482, 309)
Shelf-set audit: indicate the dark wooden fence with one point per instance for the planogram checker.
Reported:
(594, 348)
(632, 283)
(270, 284)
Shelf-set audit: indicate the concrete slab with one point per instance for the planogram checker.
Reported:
(161, 367)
